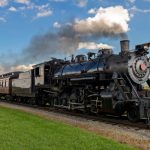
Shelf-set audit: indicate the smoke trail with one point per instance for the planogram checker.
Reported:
(110, 22)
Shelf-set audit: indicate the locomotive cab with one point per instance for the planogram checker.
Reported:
(42, 74)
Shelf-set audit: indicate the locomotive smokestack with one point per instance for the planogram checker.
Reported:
(124, 46)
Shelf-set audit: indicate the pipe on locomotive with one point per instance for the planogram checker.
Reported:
(124, 46)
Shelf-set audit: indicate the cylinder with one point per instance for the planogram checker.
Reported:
(124, 46)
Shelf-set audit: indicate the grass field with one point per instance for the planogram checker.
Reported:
(23, 131)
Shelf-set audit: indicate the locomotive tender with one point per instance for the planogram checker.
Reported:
(107, 83)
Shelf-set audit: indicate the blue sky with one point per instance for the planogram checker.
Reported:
(22, 20)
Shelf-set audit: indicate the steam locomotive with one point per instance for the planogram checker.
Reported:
(104, 83)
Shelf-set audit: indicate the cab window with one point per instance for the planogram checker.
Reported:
(37, 71)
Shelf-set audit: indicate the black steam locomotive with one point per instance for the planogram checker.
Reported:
(103, 83)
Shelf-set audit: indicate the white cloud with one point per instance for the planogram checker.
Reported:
(107, 21)
(131, 1)
(134, 9)
(23, 1)
(41, 7)
(81, 3)
(21, 67)
(41, 10)
(56, 25)
(4, 69)
(93, 46)
(34, 6)
(3, 19)
(12, 9)
(44, 13)
(3, 3)
(92, 11)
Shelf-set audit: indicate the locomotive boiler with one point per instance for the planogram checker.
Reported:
(109, 83)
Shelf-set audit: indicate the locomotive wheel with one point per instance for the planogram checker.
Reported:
(32, 101)
(40, 101)
(133, 114)
(119, 108)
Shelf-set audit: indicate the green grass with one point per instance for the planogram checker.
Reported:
(23, 131)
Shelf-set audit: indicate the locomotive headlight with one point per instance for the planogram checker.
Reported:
(143, 67)
(138, 68)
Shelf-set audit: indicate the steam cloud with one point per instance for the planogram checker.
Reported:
(111, 22)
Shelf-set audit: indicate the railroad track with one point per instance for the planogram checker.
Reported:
(114, 120)
(109, 119)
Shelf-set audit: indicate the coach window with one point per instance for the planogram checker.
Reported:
(6, 83)
(37, 71)
(0, 83)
